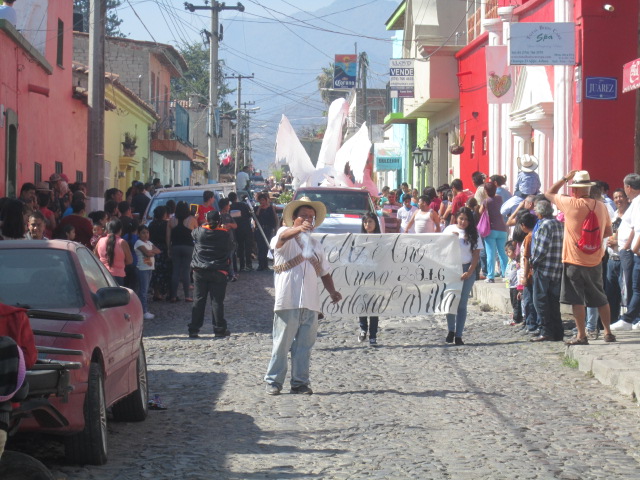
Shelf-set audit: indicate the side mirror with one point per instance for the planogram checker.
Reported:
(110, 297)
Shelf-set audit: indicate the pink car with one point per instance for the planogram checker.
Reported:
(88, 331)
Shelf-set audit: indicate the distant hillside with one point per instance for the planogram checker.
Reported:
(285, 63)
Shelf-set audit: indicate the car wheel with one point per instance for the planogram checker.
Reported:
(20, 466)
(90, 445)
(135, 406)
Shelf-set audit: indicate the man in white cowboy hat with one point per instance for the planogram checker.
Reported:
(528, 181)
(582, 272)
(298, 262)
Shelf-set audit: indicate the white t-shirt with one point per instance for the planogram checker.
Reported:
(141, 256)
(466, 255)
(405, 215)
(297, 287)
(241, 181)
(627, 223)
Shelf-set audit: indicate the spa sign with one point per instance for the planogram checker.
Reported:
(542, 44)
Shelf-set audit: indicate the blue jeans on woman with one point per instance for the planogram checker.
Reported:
(144, 279)
(495, 242)
(456, 322)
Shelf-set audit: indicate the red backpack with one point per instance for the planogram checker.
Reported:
(590, 239)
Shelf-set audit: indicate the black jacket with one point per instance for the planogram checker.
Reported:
(211, 249)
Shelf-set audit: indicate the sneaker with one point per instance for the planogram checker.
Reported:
(621, 326)
(636, 326)
(450, 336)
(273, 389)
(148, 316)
(372, 341)
(226, 333)
(362, 336)
(458, 341)
(301, 390)
(194, 335)
(489, 280)
(593, 334)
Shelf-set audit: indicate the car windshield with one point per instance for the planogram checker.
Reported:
(40, 278)
(346, 202)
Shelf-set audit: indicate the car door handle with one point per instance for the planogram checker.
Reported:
(127, 316)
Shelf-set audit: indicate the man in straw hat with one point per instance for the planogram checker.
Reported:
(298, 262)
(582, 272)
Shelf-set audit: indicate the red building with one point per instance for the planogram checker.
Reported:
(553, 114)
(43, 128)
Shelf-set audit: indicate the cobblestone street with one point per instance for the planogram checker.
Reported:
(413, 407)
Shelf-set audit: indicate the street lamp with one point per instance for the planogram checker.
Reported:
(422, 156)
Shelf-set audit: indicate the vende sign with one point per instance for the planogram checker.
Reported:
(401, 77)
(631, 76)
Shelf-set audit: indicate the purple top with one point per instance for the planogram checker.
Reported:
(493, 204)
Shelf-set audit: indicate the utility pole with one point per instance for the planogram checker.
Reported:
(95, 130)
(238, 117)
(215, 38)
(245, 124)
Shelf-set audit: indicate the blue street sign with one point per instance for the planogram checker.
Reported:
(601, 88)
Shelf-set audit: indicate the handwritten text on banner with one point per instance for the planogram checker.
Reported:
(393, 274)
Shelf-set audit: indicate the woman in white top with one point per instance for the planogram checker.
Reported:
(470, 246)
(405, 213)
(425, 219)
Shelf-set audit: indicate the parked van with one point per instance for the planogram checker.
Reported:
(190, 194)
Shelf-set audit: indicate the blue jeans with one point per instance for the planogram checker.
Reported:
(529, 310)
(633, 309)
(181, 258)
(592, 318)
(144, 279)
(626, 274)
(293, 330)
(546, 299)
(613, 287)
(494, 242)
(456, 322)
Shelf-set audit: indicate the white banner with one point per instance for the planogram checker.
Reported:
(393, 274)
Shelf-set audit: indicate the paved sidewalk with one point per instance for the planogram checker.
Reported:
(615, 364)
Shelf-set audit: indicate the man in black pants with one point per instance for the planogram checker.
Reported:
(210, 263)
(244, 235)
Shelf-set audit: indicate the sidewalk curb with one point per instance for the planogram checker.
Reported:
(613, 364)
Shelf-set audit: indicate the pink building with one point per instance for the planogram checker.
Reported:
(42, 126)
(557, 113)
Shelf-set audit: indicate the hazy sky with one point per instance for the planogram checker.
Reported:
(167, 21)
(285, 74)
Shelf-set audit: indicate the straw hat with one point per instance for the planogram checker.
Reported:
(527, 163)
(581, 179)
(42, 187)
(287, 214)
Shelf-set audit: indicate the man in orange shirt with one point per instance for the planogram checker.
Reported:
(582, 272)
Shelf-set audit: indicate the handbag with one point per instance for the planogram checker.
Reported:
(484, 225)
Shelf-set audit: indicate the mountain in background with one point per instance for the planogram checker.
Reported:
(286, 59)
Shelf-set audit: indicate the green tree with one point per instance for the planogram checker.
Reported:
(196, 79)
(325, 86)
(113, 22)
